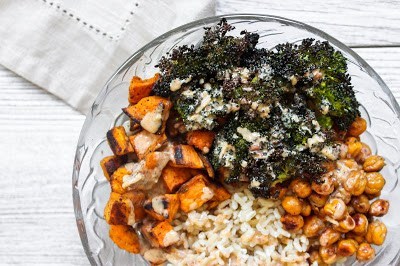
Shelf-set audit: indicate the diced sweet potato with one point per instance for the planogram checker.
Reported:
(117, 178)
(163, 234)
(119, 210)
(125, 238)
(119, 141)
(145, 142)
(140, 88)
(174, 177)
(201, 139)
(137, 198)
(194, 193)
(110, 164)
(162, 207)
(151, 113)
(185, 156)
(207, 165)
(220, 195)
(146, 172)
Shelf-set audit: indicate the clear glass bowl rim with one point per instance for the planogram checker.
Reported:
(213, 19)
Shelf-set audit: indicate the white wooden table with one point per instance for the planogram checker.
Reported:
(38, 132)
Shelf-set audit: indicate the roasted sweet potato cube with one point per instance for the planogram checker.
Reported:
(194, 193)
(119, 210)
(174, 177)
(185, 156)
(140, 88)
(125, 238)
(110, 164)
(145, 142)
(207, 165)
(151, 113)
(137, 198)
(201, 139)
(220, 195)
(117, 178)
(119, 141)
(164, 234)
(162, 207)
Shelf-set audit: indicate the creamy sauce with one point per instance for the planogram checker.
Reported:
(207, 194)
(158, 206)
(152, 121)
(170, 238)
(143, 140)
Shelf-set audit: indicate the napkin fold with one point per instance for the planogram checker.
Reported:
(71, 48)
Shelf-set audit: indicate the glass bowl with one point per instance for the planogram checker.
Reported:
(91, 190)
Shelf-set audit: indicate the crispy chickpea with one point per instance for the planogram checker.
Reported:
(373, 163)
(313, 226)
(315, 257)
(365, 252)
(335, 208)
(350, 210)
(355, 182)
(376, 233)
(379, 208)
(351, 235)
(353, 147)
(345, 225)
(375, 183)
(360, 203)
(361, 224)
(324, 186)
(358, 126)
(373, 196)
(349, 163)
(292, 222)
(342, 194)
(305, 208)
(364, 153)
(292, 205)
(301, 188)
(328, 237)
(347, 247)
(317, 199)
(328, 254)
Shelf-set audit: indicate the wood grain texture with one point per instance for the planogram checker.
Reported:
(356, 22)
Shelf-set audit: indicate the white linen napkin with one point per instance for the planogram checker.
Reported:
(70, 48)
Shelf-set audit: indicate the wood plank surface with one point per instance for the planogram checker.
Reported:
(355, 22)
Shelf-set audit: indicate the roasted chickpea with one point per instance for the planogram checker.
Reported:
(317, 199)
(364, 153)
(373, 163)
(313, 226)
(350, 210)
(355, 182)
(345, 225)
(373, 196)
(365, 252)
(361, 224)
(347, 247)
(301, 188)
(353, 147)
(292, 205)
(360, 203)
(342, 194)
(328, 254)
(376, 233)
(315, 257)
(292, 222)
(305, 208)
(375, 183)
(379, 208)
(335, 208)
(358, 126)
(328, 237)
(351, 235)
(324, 186)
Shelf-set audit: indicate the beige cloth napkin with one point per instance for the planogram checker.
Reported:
(71, 48)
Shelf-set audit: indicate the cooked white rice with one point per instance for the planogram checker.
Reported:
(241, 231)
